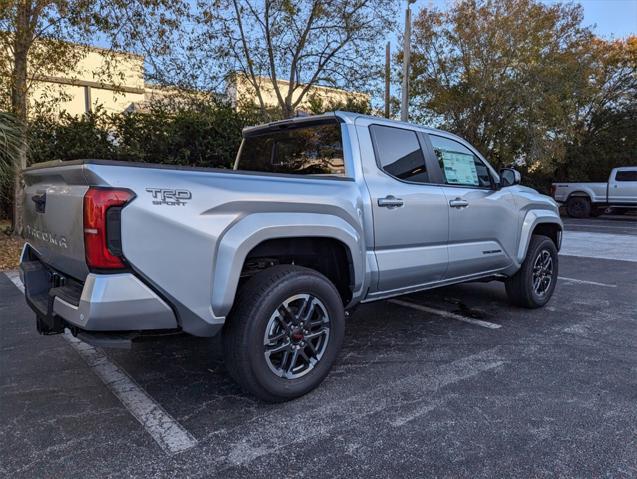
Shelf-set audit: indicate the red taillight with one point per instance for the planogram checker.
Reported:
(97, 201)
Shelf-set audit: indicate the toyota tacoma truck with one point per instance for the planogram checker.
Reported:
(319, 214)
(582, 200)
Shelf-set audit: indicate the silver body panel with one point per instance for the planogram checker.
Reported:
(191, 254)
(117, 302)
(58, 233)
(612, 193)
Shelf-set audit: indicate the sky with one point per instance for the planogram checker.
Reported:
(612, 18)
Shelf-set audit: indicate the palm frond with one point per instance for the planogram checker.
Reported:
(11, 142)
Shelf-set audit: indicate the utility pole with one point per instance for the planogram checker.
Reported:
(387, 79)
(404, 107)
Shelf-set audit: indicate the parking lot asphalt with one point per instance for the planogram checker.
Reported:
(452, 382)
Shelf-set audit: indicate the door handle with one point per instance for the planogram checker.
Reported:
(458, 203)
(390, 202)
(40, 202)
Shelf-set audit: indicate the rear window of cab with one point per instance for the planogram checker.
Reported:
(311, 148)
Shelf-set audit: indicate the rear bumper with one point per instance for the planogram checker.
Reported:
(103, 303)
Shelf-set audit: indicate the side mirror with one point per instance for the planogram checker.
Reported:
(510, 177)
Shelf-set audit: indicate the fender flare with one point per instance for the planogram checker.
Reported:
(531, 220)
(251, 230)
(580, 194)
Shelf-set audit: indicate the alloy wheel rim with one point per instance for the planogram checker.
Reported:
(296, 336)
(542, 272)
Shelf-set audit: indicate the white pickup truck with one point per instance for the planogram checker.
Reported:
(592, 199)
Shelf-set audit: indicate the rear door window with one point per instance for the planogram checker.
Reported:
(399, 154)
(307, 149)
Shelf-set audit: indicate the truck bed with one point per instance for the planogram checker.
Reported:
(595, 190)
(179, 215)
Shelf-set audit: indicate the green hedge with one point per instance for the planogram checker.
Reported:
(202, 136)
(193, 134)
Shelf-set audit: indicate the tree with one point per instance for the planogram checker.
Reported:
(40, 37)
(31, 45)
(511, 76)
(290, 46)
(606, 137)
(318, 105)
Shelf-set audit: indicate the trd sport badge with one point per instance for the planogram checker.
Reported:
(169, 197)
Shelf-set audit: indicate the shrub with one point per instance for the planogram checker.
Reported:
(204, 135)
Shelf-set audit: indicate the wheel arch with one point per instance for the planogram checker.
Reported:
(329, 256)
(579, 194)
(278, 233)
(552, 230)
(545, 222)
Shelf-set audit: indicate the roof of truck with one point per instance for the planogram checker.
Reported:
(345, 116)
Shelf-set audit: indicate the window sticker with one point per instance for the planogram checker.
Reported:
(460, 168)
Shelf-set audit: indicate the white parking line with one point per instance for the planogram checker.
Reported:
(583, 281)
(628, 227)
(14, 276)
(444, 314)
(396, 402)
(162, 427)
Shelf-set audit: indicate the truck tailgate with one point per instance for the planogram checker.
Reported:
(53, 216)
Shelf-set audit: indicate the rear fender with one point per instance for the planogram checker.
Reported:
(234, 246)
(582, 194)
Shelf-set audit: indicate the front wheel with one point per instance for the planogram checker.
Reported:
(284, 333)
(533, 285)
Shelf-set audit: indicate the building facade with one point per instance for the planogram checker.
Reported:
(240, 90)
(114, 82)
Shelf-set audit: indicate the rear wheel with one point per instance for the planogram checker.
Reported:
(285, 333)
(533, 285)
(578, 207)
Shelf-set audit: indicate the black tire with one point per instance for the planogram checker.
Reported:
(258, 307)
(595, 212)
(578, 207)
(520, 287)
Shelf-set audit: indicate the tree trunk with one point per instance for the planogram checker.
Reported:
(286, 107)
(287, 112)
(19, 103)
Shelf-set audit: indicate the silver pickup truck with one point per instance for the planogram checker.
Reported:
(591, 199)
(320, 214)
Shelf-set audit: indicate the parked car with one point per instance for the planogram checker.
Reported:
(582, 200)
(320, 214)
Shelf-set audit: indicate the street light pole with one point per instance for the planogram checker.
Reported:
(387, 78)
(404, 107)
